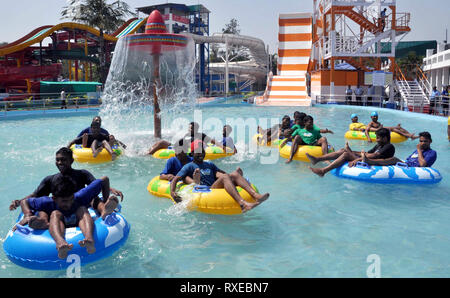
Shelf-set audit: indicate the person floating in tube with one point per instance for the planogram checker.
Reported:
(207, 173)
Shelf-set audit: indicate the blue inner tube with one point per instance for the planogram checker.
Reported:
(399, 173)
(36, 249)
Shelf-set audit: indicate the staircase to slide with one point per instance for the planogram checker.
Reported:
(413, 95)
(294, 50)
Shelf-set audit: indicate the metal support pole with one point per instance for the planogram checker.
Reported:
(226, 67)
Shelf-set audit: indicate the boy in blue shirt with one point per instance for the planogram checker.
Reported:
(43, 206)
(82, 178)
(67, 208)
(174, 164)
(206, 173)
(423, 156)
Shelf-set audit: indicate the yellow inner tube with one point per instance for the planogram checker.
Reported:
(259, 140)
(214, 201)
(83, 154)
(212, 152)
(300, 155)
(360, 135)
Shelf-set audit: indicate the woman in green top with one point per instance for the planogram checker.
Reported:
(307, 134)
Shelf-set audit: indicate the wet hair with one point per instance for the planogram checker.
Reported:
(181, 146)
(383, 132)
(63, 186)
(300, 115)
(195, 125)
(65, 152)
(426, 135)
(97, 119)
(296, 114)
(228, 129)
(308, 118)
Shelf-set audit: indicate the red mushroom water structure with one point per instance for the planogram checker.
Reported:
(155, 41)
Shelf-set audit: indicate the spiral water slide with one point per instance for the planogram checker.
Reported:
(256, 67)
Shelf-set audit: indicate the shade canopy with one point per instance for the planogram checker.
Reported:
(156, 40)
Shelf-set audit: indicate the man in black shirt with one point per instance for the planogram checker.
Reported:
(96, 140)
(64, 160)
(382, 150)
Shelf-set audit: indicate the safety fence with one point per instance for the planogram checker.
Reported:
(438, 106)
(49, 101)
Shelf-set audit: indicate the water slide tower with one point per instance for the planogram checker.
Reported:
(346, 46)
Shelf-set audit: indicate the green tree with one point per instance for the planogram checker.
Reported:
(107, 17)
(235, 53)
(232, 27)
(409, 64)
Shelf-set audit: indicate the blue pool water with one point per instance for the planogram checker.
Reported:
(309, 227)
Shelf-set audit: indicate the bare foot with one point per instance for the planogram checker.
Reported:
(311, 158)
(364, 156)
(110, 205)
(63, 249)
(113, 156)
(38, 223)
(197, 176)
(239, 171)
(347, 147)
(261, 198)
(88, 244)
(95, 152)
(317, 171)
(413, 137)
(246, 206)
(288, 161)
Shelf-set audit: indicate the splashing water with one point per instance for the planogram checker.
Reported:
(127, 101)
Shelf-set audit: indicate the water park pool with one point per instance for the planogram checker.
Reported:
(309, 227)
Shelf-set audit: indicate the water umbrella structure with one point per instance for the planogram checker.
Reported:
(156, 41)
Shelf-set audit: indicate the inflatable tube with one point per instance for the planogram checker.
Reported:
(258, 140)
(36, 249)
(360, 135)
(82, 154)
(300, 155)
(212, 152)
(400, 173)
(201, 197)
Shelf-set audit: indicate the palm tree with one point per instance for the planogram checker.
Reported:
(107, 17)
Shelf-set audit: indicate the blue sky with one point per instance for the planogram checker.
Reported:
(258, 18)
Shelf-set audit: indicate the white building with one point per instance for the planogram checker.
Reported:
(437, 67)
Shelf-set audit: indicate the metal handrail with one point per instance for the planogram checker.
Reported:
(48, 103)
